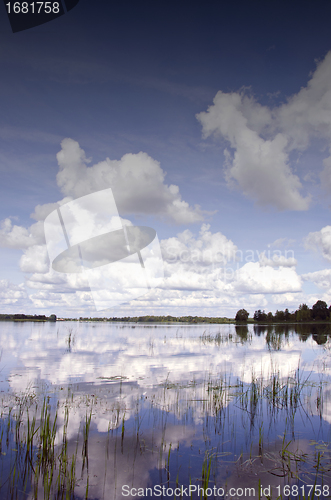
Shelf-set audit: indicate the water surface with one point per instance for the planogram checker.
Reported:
(211, 406)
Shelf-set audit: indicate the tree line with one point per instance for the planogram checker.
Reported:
(319, 312)
(160, 319)
(27, 317)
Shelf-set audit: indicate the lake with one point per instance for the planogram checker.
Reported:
(121, 410)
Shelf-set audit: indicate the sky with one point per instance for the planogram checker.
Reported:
(210, 123)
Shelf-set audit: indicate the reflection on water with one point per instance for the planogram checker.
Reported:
(119, 407)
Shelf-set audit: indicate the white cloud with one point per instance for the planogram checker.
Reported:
(187, 269)
(201, 273)
(35, 260)
(307, 113)
(285, 300)
(137, 181)
(12, 236)
(322, 279)
(261, 139)
(41, 211)
(203, 263)
(277, 260)
(280, 242)
(208, 248)
(320, 240)
(259, 166)
(253, 277)
(11, 293)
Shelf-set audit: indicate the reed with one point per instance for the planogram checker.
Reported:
(49, 465)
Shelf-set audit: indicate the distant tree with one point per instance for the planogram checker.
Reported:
(287, 315)
(242, 316)
(260, 315)
(279, 315)
(257, 315)
(270, 317)
(320, 310)
(52, 317)
(303, 313)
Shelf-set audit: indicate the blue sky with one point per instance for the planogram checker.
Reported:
(230, 103)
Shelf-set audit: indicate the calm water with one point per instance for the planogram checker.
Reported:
(212, 406)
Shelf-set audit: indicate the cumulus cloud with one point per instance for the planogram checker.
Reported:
(12, 236)
(322, 279)
(208, 248)
(208, 263)
(41, 211)
(307, 113)
(11, 293)
(277, 260)
(320, 240)
(35, 260)
(137, 181)
(259, 166)
(285, 300)
(261, 139)
(253, 277)
(201, 272)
